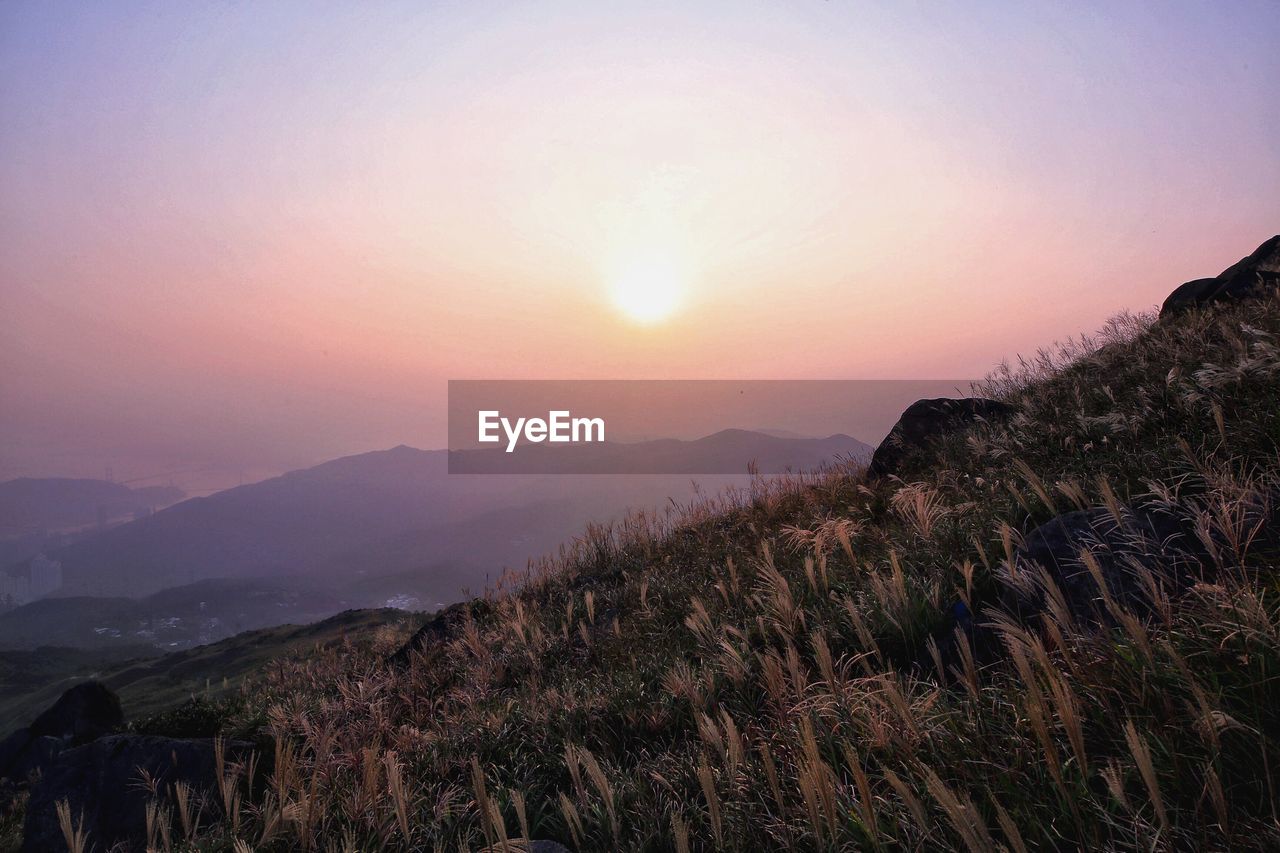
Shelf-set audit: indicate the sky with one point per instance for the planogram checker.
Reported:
(253, 236)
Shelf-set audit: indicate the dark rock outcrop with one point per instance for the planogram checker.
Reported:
(86, 711)
(82, 760)
(102, 783)
(81, 714)
(1250, 277)
(1139, 541)
(926, 420)
(21, 753)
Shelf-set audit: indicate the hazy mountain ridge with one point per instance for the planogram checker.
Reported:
(317, 521)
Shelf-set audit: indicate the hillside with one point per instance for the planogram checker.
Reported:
(918, 660)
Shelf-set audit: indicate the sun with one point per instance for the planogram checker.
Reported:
(648, 291)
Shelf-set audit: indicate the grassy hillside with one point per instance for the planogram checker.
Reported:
(783, 671)
(153, 684)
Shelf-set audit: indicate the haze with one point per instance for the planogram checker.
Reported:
(258, 236)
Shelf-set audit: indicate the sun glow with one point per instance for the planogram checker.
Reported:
(648, 291)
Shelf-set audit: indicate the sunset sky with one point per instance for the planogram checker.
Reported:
(263, 234)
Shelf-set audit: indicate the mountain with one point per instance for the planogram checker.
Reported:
(337, 523)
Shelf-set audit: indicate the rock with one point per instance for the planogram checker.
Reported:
(1142, 539)
(926, 420)
(22, 752)
(1195, 292)
(84, 712)
(445, 625)
(11, 749)
(1251, 277)
(81, 714)
(547, 847)
(102, 783)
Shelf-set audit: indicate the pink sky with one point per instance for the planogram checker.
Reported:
(260, 236)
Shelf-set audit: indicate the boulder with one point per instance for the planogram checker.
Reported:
(21, 753)
(1250, 277)
(81, 714)
(1140, 540)
(926, 420)
(102, 781)
(84, 712)
(547, 847)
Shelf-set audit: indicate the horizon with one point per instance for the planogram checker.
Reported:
(250, 241)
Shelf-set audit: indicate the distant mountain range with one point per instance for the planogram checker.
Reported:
(399, 515)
